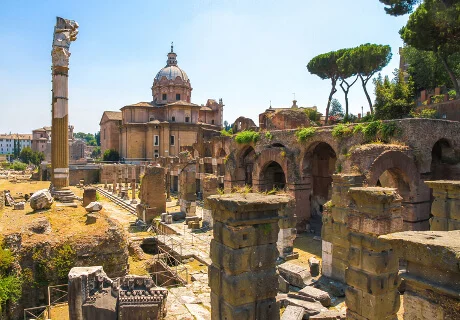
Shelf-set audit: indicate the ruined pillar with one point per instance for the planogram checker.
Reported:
(446, 205)
(372, 274)
(287, 233)
(210, 186)
(334, 233)
(152, 192)
(187, 192)
(432, 275)
(65, 32)
(133, 186)
(243, 277)
(89, 195)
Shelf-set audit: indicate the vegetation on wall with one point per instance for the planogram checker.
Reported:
(303, 134)
(268, 135)
(342, 130)
(378, 130)
(246, 137)
(226, 132)
(10, 282)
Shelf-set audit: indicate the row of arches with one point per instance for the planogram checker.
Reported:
(395, 169)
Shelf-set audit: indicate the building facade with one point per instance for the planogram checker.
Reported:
(41, 140)
(165, 126)
(7, 142)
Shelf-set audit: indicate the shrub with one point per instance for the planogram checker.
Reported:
(358, 128)
(245, 137)
(304, 134)
(452, 93)
(426, 113)
(268, 135)
(312, 114)
(437, 98)
(341, 131)
(64, 261)
(226, 133)
(370, 131)
(111, 155)
(388, 130)
(18, 166)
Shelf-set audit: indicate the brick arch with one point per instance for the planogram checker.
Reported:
(264, 159)
(395, 160)
(308, 151)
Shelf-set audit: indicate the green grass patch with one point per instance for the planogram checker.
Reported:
(304, 134)
(246, 137)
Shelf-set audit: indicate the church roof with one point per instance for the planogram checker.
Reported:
(140, 104)
(182, 103)
(113, 115)
(171, 73)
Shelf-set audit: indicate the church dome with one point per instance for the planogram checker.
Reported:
(171, 72)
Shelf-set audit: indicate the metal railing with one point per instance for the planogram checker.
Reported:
(56, 297)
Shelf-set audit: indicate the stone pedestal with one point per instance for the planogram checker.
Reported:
(372, 274)
(133, 192)
(243, 277)
(210, 186)
(334, 231)
(446, 205)
(89, 195)
(187, 195)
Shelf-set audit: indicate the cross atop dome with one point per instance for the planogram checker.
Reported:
(172, 61)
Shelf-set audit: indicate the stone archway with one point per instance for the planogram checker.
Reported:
(319, 165)
(243, 167)
(272, 177)
(444, 161)
(394, 169)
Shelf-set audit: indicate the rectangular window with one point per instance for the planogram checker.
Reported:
(212, 121)
(164, 96)
(173, 119)
(172, 140)
(156, 154)
(156, 141)
(177, 96)
(187, 119)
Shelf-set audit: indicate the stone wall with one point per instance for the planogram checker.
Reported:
(243, 277)
(210, 185)
(90, 175)
(187, 192)
(432, 275)
(334, 233)
(445, 209)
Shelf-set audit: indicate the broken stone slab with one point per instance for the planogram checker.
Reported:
(317, 294)
(293, 313)
(198, 312)
(91, 218)
(19, 205)
(334, 288)
(311, 308)
(163, 216)
(41, 199)
(296, 275)
(93, 207)
(192, 218)
(283, 285)
(330, 315)
(177, 216)
(314, 266)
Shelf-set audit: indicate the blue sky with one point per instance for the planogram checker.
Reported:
(246, 52)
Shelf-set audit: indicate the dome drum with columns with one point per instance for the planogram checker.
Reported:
(167, 124)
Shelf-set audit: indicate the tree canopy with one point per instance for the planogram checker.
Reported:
(435, 27)
(27, 155)
(399, 7)
(325, 66)
(393, 99)
(427, 70)
(90, 139)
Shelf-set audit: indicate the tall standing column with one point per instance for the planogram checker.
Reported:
(65, 32)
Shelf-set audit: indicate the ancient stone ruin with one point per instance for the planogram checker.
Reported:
(92, 295)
